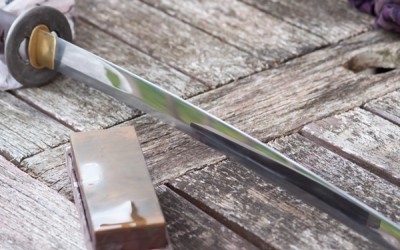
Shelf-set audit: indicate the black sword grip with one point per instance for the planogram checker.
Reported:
(6, 19)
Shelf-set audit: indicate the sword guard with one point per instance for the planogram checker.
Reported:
(20, 31)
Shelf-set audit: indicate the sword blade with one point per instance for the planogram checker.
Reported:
(271, 165)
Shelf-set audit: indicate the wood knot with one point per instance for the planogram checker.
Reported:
(374, 62)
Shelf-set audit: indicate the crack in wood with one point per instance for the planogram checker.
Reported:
(252, 238)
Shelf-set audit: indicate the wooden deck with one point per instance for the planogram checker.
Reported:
(283, 71)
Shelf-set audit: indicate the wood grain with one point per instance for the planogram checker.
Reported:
(306, 89)
(110, 48)
(49, 168)
(272, 103)
(362, 137)
(171, 41)
(190, 228)
(333, 20)
(32, 216)
(347, 175)
(387, 107)
(168, 153)
(24, 131)
(266, 105)
(76, 105)
(369, 188)
(270, 216)
(84, 108)
(243, 26)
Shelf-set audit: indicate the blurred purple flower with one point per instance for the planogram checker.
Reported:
(386, 11)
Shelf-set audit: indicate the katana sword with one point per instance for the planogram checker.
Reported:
(50, 51)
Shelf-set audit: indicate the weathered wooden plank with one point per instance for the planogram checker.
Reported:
(304, 90)
(271, 217)
(120, 53)
(243, 26)
(184, 220)
(76, 105)
(190, 228)
(360, 183)
(168, 154)
(173, 42)
(365, 138)
(384, 193)
(267, 215)
(54, 223)
(295, 94)
(49, 167)
(32, 216)
(333, 20)
(387, 107)
(84, 108)
(24, 131)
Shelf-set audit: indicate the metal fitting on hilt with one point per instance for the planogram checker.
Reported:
(42, 48)
(33, 27)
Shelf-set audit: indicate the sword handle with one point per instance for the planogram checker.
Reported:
(6, 20)
(14, 31)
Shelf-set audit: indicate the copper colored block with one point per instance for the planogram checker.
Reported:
(113, 191)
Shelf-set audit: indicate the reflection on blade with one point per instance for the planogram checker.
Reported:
(141, 94)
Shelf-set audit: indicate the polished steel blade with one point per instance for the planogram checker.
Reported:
(139, 93)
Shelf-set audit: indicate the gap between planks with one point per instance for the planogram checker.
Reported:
(204, 166)
(264, 68)
(236, 228)
(221, 219)
(43, 111)
(362, 106)
(380, 114)
(196, 27)
(245, 234)
(87, 21)
(337, 150)
(385, 107)
(92, 24)
(212, 233)
(210, 88)
(317, 31)
(299, 131)
(360, 162)
(229, 206)
(280, 18)
(342, 135)
(48, 114)
(273, 65)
